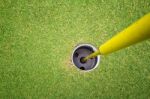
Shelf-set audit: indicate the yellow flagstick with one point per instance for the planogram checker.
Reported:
(138, 31)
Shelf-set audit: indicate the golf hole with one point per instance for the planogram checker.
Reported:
(80, 52)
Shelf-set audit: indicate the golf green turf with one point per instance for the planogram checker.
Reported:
(37, 38)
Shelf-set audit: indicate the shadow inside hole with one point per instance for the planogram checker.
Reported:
(82, 60)
(82, 68)
(76, 54)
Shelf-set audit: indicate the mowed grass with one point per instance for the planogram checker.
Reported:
(37, 38)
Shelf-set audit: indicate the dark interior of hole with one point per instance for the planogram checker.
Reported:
(82, 60)
(87, 47)
(82, 68)
(76, 54)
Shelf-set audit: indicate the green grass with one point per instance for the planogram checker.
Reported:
(37, 38)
